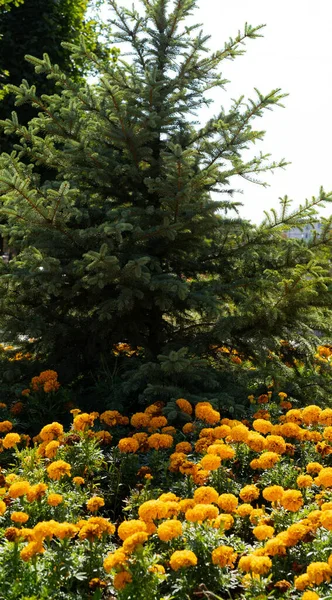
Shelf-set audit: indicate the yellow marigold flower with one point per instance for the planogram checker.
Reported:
(121, 579)
(95, 503)
(224, 556)
(158, 569)
(128, 445)
(10, 440)
(256, 441)
(275, 443)
(221, 431)
(78, 480)
(206, 495)
(3, 507)
(184, 447)
(263, 532)
(170, 529)
(160, 440)
(169, 429)
(302, 582)
(185, 406)
(245, 563)
(239, 433)
(185, 504)
(294, 416)
(327, 434)
(310, 414)
(224, 451)
(152, 510)
(318, 572)
(188, 428)
(201, 512)
(182, 559)
(58, 469)
(131, 542)
(325, 417)
(5, 426)
(249, 493)
(104, 437)
(290, 430)
(324, 477)
(210, 462)
(51, 431)
(154, 409)
(228, 503)
(54, 499)
(171, 508)
(275, 547)
(18, 488)
(205, 412)
(262, 426)
(115, 559)
(267, 460)
(128, 528)
(314, 467)
(168, 497)
(326, 506)
(157, 423)
(111, 418)
(19, 517)
(29, 551)
(244, 510)
(95, 527)
(295, 533)
(256, 515)
(260, 564)
(36, 492)
(51, 449)
(310, 596)
(291, 500)
(83, 421)
(304, 481)
(66, 530)
(223, 521)
(326, 519)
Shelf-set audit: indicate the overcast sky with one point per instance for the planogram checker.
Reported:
(295, 55)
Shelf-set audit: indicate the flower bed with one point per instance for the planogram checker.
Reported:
(135, 508)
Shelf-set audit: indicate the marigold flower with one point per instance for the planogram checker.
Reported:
(290, 430)
(205, 412)
(160, 440)
(263, 532)
(184, 447)
(239, 433)
(324, 477)
(66, 530)
(201, 512)
(314, 467)
(223, 521)
(291, 500)
(185, 504)
(157, 423)
(131, 542)
(78, 480)
(51, 449)
(302, 582)
(245, 563)
(310, 596)
(267, 460)
(94, 503)
(128, 528)
(2, 507)
(19, 517)
(51, 431)
(152, 510)
(256, 515)
(10, 440)
(318, 572)
(244, 510)
(140, 420)
(83, 421)
(188, 428)
(36, 492)
(18, 488)
(275, 547)
(5, 426)
(325, 417)
(210, 462)
(275, 443)
(262, 426)
(127, 445)
(224, 451)
(54, 499)
(112, 418)
(228, 503)
(115, 559)
(310, 414)
(249, 493)
(31, 550)
(206, 495)
(183, 559)
(260, 565)
(295, 533)
(256, 441)
(95, 527)
(170, 529)
(121, 580)
(326, 519)
(304, 481)
(185, 406)
(224, 556)
(58, 469)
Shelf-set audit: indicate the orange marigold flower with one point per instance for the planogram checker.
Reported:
(51, 431)
(310, 596)
(249, 493)
(185, 406)
(304, 481)
(310, 414)
(205, 412)
(206, 495)
(201, 512)
(260, 565)
(324, 477)
(157, 423)
(267, 460)
(18, 488)
(10, 440)
(54, 499)
(275, 547)
(184, 447)
(182, 559)
(121, 579)
(140, 420)
(31, 550)
(160, 440)
(326, 519)
(228, 503)
(210, 462)
(19, 517)
(188, 428)
(5, 426)
(256, 441)
(262, 426)
(170, 529)
(152, 510)
(263, 532)
(224, 556)
(115, 559)
(83, 421)
(128, 445)
(58, 469)
(302, 582)
(131, 542)
(36, 492)
(275, 443)
(223, 521)
(128, 528)
(244, 510)
(319, 572)
(239, 433)
(291, 500)
(51, 449)
(314, 467)
(95, 503)
(224, 451)
(78, 480)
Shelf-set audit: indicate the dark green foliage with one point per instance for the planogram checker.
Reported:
(129, 243)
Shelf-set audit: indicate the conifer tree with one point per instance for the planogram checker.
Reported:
(132, 262)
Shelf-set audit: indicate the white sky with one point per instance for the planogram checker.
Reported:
(296, 56)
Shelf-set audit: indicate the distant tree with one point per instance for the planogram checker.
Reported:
(127, 265)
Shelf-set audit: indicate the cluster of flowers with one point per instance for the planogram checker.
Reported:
(246, 504)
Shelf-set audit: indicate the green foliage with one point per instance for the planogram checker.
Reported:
(128, 243)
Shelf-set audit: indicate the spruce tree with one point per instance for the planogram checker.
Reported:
(131, 263)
